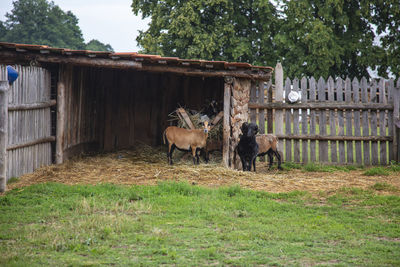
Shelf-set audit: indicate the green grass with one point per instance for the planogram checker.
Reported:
(376, 171)
(385, 187)
(287, 166)
(394, 166)
(383, 170)
(180, 224)
(316, 167)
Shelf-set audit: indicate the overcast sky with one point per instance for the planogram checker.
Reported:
(109, 21)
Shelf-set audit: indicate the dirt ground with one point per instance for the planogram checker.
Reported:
(147, 166)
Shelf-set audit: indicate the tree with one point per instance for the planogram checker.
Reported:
(386, 16)
(43, 23)
(96, 45)
(3, 30)
(310, 37)
(238, 30)
(328, 37)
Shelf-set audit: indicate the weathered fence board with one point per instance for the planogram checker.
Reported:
(323, 145)
(332, 119)
(304, 120)
(337, 121)
(374, 126)
(279, 99)
(365, 121)
(356, 118)
(261, 112)
(339, 94)
(382, 122)
(296, 143)
(257, 96)
(349, 121)
(270, 112)
(396, 120)
(288, 123)
(313, 120)
(390, 87)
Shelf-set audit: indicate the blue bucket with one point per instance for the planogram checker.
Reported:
(12, 74)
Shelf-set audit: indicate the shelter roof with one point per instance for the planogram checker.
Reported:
(131, 60)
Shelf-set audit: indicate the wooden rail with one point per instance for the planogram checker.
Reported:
(18, 107)
(336, 138)
(32, 143)
(322, 105)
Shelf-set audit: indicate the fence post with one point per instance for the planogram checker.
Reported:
(279, 99)
(3, 133)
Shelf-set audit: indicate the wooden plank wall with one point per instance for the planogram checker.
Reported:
(337, 121)
(29, 123)
(112, 109)
(82, 112)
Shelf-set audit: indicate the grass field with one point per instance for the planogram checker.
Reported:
(180, 224)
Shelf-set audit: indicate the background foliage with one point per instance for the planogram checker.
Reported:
(310, 37)
(44, 23)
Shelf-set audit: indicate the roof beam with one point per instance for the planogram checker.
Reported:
(182, 69)
(248, 74)
(74, 60)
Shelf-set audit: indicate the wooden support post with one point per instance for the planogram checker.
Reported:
(3, 134)
(239, 113)
(60, 122)
(226, 122)
(279, 99)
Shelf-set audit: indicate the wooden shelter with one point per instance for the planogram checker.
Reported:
(102, 101)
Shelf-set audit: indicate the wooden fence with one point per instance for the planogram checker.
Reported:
(29, 120)
(336, 121)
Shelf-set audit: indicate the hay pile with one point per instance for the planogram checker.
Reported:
(145, 165)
